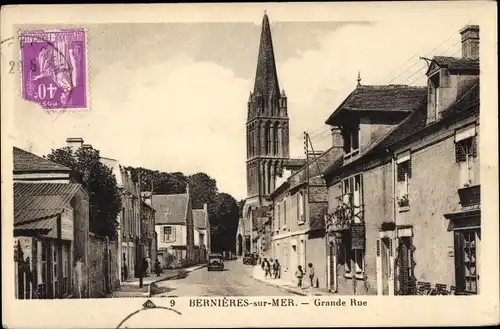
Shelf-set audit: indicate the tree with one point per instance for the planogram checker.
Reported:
(223, 214)
(202, 188)
(104, 195)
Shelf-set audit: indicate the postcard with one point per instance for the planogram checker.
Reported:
(249, 165)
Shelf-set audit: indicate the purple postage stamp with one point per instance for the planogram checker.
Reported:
(54, 68)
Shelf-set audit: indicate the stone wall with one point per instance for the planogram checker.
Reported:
(102, 267)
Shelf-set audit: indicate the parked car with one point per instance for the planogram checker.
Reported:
(215, 262)
(249, 259)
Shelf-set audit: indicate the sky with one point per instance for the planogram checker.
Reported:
(172, 96)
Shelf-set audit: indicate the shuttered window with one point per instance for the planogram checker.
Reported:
(465, 148)
(403, 169)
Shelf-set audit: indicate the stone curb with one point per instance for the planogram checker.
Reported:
(173, 277)
(288, 289)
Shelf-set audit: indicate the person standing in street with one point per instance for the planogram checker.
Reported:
(311, 274)
(299, 274)
(148, 268)
(277, 269)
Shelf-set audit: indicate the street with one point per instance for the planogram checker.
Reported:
(235, 280)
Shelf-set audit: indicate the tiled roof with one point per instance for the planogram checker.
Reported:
(40, 226)
(199, 218)
(25, 161)
(467, 103)
(170, 208)
(456, 63)
(391, 98)
(34, 201)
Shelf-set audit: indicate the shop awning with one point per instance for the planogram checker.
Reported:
(39, 226)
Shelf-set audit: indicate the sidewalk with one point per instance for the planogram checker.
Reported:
(130, 288)
(258, 274)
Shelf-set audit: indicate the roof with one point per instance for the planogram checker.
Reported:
(456, 63)
(266, 77)
(390, 98)
(28, 162)
(467, 103)
(200, 218)
(295, 162)
(34, 201)
(170, 208)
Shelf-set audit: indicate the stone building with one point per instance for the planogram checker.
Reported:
(175, 229)
(201, 233)
(51, 228)
(130, 247)
(149, 236)
(267, 137)
(404, 199)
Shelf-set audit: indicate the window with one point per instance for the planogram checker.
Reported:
(276, 140)
(268, 139)
(55, 271)
(434, 84)
(403, 175)
(353, 259)
(65, 269)
(168, 234)
(284, 213)
(278, 217)
(465, 152)
(300, 207)
(43, 270)
(351, 188)
(466, 252)
(351, 140)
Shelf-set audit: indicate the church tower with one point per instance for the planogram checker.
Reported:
(267, 125)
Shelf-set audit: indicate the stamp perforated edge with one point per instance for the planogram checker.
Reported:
(87, 71)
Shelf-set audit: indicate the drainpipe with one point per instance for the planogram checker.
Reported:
(394, 209)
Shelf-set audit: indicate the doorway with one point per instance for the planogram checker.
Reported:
(385, 254)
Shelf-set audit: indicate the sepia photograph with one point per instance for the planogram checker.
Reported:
(331, 160)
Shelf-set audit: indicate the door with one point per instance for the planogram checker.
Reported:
(404, 266)
(466, 260)
(386, 264)
(293, 259)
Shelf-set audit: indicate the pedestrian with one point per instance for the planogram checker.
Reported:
(311, 274)
(148, 268)
(271, 268)
(267, 268)
(277, 269)
(157, 267)
(299, 274)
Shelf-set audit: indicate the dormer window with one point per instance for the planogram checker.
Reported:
(434, 96)
(351, 141)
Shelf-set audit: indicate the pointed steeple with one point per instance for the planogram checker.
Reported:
(266, 78)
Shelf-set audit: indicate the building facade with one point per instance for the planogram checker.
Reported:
(175, 230)
(404, 201)
(51, 230)
(149, 236)
(201, 234)
(130, 247)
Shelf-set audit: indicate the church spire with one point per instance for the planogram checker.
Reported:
(266, 78)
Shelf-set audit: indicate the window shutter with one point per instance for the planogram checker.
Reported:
(474, 147)
(409, 168)
(460, 152)
(400, 173)
(459, 261)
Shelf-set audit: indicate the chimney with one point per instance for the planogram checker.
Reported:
(74, 143)
(86, 146)
(187, 189)
(470, 41)
(205, 208)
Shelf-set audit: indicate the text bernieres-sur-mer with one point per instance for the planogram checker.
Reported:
(280, 302)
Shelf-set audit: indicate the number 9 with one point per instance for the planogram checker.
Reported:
(172, 303)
